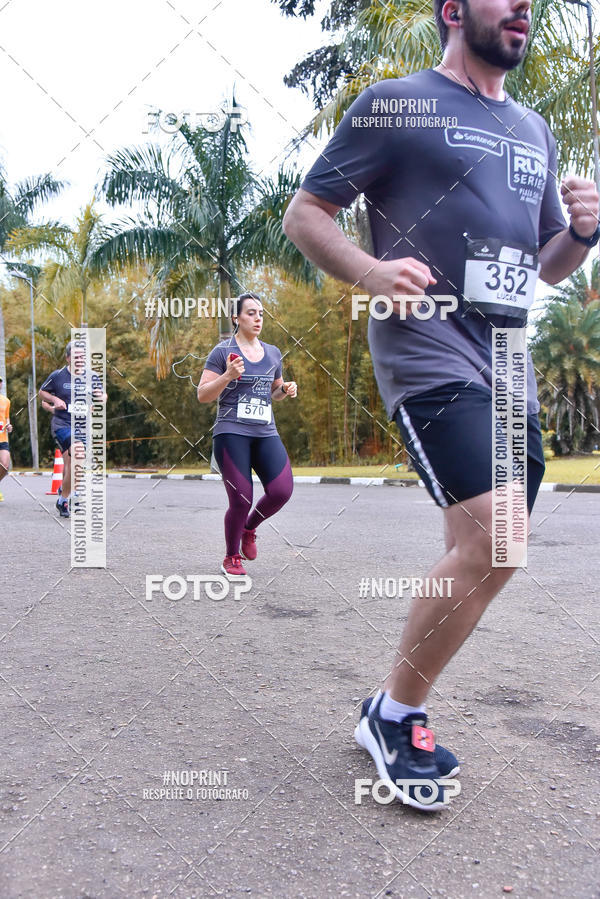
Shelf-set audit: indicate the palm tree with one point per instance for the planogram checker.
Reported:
(68, 274)
(205, 216)
(49, 350)
(396, 38)
(17, 205)
(566, 353)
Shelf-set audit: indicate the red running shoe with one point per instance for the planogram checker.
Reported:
(249, 544)
(232, 566)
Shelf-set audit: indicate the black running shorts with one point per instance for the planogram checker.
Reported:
(448, 433)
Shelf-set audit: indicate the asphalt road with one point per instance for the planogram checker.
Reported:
(105, 693)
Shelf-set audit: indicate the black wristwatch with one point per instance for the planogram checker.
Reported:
(283, 390)
(586, 241)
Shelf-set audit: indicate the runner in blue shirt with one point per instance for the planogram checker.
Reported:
(55, 394)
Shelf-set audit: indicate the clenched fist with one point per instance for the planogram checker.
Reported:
(400, 277)
(581, 199)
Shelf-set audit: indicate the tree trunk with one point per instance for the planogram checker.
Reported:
(346, 385)
(84, 307)
(225, 329)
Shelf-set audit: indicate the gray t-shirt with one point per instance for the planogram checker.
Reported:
(245, 405)
(443, 171)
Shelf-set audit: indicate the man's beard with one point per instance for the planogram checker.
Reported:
(485, 41)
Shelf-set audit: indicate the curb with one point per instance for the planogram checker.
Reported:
(307, 479)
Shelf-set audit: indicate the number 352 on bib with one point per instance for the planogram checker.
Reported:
(500, 278)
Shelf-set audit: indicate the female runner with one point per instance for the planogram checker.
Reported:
(244, 375)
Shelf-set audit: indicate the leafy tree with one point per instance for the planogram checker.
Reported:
(566, 353)
(323, 70)
(66, 277)
(205, 216)
(17, 205)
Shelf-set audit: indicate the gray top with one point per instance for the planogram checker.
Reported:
(245, 405)
(449, 177)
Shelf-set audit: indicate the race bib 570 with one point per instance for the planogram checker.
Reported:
(254, 409)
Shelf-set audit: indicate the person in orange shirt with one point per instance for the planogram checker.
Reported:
(5, 429)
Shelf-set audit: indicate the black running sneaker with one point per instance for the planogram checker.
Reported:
(404, 756)
(445, 760)
(63, 507)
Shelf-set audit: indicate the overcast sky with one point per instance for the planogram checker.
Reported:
(80, 78)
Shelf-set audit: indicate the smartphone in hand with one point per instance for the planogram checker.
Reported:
(234, 356)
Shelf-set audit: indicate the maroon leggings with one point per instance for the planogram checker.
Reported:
(236, 456)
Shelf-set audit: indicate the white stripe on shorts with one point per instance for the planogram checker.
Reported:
(423, 457)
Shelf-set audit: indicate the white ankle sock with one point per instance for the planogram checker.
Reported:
(397, 711)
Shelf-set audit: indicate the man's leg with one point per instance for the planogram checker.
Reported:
(66, 481)
(437, 627)
(4, 463)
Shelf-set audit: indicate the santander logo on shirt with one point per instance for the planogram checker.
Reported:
(527, 164)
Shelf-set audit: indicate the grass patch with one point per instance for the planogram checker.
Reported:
(575, 470)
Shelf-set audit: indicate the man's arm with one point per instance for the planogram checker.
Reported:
(562, 255)
(52, 400)
(309, 224)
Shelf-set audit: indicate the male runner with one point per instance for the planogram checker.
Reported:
(476, 179)
(55, 394)
(5, 429)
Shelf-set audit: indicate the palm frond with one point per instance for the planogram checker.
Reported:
(127, 241)
(144, 174)
(30, 192)
(48, 236)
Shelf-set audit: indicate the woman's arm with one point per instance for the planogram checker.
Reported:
(280, 389)
(212, 385)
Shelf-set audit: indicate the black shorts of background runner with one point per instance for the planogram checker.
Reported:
(448, 433)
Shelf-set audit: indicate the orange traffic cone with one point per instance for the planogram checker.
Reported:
(57, 474)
